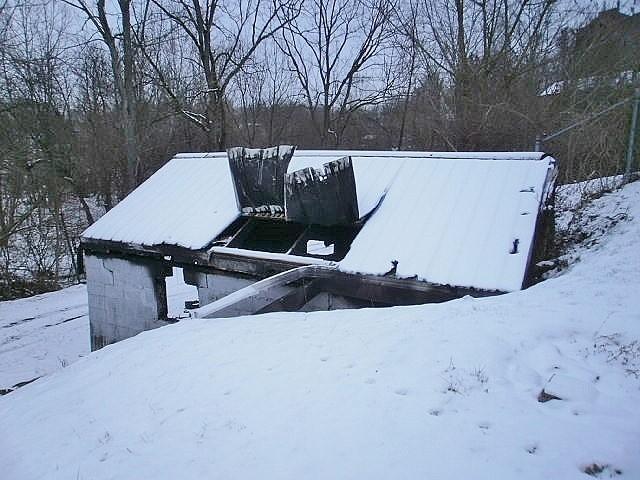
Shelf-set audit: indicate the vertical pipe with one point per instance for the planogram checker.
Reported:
(538, 145)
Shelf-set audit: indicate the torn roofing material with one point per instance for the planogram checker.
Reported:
(373, 173)
(460, 219)
(258, 175)
(322, 197)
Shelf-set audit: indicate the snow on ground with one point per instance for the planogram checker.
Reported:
(441, 391)
(41, 334)
(572, 196)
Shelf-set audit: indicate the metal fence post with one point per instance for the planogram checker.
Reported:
(538, 145)
(632, 131)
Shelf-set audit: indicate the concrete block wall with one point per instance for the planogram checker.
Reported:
(126, 297)
(213, 286)
(328, 301)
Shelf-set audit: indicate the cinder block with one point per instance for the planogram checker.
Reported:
(95, 288)
(219, 286)
(96, 271)
(115, 292)
(96, 301)
(122, 297)
(135, 296)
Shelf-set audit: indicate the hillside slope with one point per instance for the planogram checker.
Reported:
(446, 391)
(44, 333)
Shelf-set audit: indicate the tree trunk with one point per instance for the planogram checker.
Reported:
(128, 101)
(461, 81)
(216, 116)
(405, 107)
(87, 210)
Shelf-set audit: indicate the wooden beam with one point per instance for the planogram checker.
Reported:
(295, 300)
(287, 290)
(279, 277)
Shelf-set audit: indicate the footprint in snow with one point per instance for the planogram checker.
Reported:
(370, 381)
(402, 392)
(235, 426)
(602, 471)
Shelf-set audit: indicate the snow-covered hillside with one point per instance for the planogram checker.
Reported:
(443, 391)
(44, 333)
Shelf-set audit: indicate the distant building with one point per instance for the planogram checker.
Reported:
(608, 44)
(604, 53)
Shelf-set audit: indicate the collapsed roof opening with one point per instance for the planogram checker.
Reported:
(267, 235)
(310, 212)
(339, 237)
(293, 238)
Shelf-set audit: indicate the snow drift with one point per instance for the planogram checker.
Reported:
(437, 391)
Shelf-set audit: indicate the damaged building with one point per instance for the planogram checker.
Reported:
(279, 229)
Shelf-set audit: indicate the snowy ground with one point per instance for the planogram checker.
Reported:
(42, 334)
(444, 391)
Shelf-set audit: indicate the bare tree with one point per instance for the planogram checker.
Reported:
(588, 95)
(36, 154)
(224, 36)
(264, 98)
(118, 37)
(487, 50)
(97, 142)
(337, 50)
(6, 13)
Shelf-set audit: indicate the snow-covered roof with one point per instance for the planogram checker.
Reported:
(463, 219)
(455, 223)
(191, 200)
(188, 202)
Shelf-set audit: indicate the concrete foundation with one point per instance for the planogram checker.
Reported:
(125, 297)
(328, 301)
(212, 287)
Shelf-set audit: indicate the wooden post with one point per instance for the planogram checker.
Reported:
(632, 130)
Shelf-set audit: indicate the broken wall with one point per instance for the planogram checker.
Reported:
(214, 286)
(125, 297)
(325, 301)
